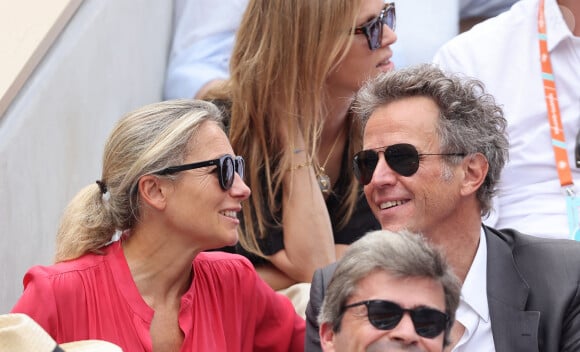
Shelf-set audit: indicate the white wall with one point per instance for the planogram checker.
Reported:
(109, 60)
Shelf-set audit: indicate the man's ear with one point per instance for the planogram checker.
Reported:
(475, 169)
(153, 191)
(326, 337)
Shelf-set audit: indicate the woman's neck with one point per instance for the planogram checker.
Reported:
(335, 119)
(333, 138)
(161, 270)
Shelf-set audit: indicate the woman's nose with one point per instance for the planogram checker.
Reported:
(239, 188)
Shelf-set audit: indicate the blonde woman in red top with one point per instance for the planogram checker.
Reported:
(173, 187)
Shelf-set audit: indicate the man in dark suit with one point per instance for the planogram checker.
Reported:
(434, 147)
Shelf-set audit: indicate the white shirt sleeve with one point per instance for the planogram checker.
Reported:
(203, 39)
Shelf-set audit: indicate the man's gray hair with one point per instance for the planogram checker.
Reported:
(469, 121)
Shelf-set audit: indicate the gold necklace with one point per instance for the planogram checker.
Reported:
(321, 176)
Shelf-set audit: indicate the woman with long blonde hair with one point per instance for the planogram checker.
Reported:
(295, 69)
(172, 186)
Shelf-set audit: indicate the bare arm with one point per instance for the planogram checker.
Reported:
(207, 87)
(308, 238)
(275, 278)
(279, 280)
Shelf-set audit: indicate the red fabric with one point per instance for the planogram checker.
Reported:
(227, 308)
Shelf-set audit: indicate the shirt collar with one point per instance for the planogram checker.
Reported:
(474, 289)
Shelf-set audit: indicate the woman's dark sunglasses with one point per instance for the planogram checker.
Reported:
(373, 29)
(386, 315)
(226, 166)
(402, 158)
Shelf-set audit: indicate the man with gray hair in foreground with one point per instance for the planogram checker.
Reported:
(390, 291)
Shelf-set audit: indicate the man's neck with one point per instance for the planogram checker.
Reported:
(460, 255)
(459, 241)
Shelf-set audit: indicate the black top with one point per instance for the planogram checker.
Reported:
(361, 222)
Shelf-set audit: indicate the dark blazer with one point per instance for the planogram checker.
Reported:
(533, 291)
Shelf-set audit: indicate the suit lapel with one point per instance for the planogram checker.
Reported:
(513, 328)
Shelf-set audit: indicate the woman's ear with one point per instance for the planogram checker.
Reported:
(475, 169)
(153, 191)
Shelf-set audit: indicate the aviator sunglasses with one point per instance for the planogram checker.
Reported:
(402, 158)
(373, 29)
(386, 315)
(226, 166)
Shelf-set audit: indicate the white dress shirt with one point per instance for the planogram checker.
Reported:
(473, 310)
(503, 52)
(203, 39)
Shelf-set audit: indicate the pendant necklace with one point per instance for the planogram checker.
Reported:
(321, 176)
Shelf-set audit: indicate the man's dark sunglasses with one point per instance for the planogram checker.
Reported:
(402, 158)
(386, 315)
(373, 29)
(226, 166)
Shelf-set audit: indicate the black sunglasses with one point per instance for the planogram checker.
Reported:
(403, 158)
(386, 315)
(226, 165)
(373, 29)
